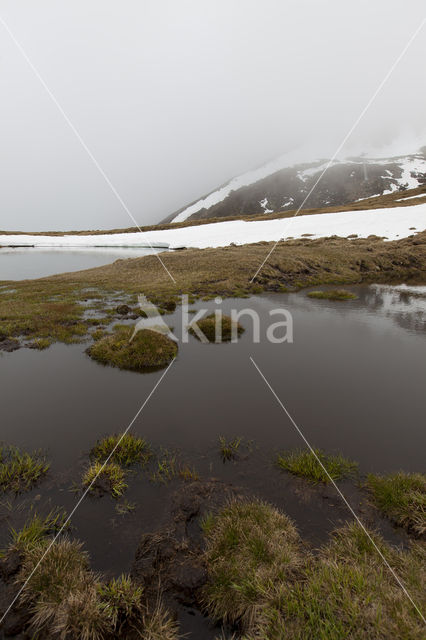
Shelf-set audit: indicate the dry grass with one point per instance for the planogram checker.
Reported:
(269, 587)
(250, 547)
(67, 600)
(48, 308)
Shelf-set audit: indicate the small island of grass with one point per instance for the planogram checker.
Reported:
(225, 332)
(402, 498)
(332, 294)
(124, 448)
(20, 470)
(105, 478)
(145, 350)
(311, 465)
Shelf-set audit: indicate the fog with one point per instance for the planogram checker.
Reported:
(174, 97)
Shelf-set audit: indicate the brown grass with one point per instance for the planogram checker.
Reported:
(269, 587)
(48, 307)
(147, 349)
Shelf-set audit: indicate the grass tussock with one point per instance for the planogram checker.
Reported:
(402, 497)
(68, 600)
(108, 478)
(219, 331)
(305, 463)
(41, 344)
(250, 546)
(263, 582)
(36, 528)
(333, 294)
(228, 449)
(124, 449)
(148, 349)
(168, 466)
(20, 470)
(122, 601)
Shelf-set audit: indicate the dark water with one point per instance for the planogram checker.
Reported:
(21, 264)
(353, 381)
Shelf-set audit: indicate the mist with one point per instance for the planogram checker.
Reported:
(174, 97)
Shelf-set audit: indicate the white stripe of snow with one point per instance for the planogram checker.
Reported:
(392, 223)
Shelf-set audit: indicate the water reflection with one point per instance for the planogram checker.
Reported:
(37, 262)
(403, 304)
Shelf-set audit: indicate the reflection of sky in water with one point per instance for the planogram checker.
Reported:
(20, 264)
(405, 305)
(376, 305)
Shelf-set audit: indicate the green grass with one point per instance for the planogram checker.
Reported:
(402, 498)
(249, 547)
(122, 601)
(20, 470)
(109, 477)
(166, 467)
(187, 473)
(67, 600)
(124, 507)
(332, 294)
(227, 329)
(304, 463)
(148, 349)
(36, 528)
(263, 581)
(41, 344)
(228, 449)
(126, 449)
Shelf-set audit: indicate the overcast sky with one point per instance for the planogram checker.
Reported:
(174, 97)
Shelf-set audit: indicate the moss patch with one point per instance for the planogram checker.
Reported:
(227, 328)
(147, 350)
(333, 294)
(402, 497)
(305, 463)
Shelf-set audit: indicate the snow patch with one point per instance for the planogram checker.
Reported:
(391, 223)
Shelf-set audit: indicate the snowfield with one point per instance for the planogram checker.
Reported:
(392, 223)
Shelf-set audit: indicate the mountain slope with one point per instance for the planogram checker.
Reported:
(273, 188)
